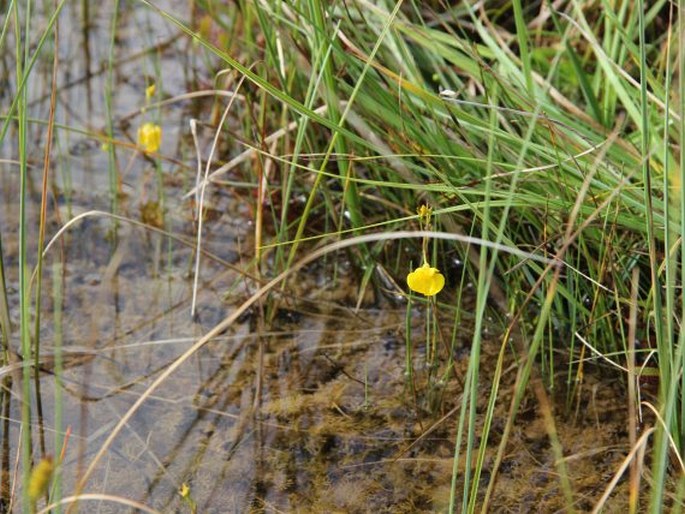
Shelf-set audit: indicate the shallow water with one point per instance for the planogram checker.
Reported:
(304, 406)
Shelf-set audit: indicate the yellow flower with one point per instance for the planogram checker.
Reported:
(150, 91)
(184, 491)
(425, 212)
(40, 478)
(150, 137)
(426, 280)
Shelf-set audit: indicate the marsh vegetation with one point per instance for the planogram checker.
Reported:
(346, 256)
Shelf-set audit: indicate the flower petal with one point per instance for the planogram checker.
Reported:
(150, 137)
(426, 280)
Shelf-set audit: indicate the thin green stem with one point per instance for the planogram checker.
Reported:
(24, 289)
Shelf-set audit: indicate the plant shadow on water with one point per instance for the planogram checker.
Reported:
(321, 420)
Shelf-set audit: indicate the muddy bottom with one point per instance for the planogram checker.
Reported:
(303, 405)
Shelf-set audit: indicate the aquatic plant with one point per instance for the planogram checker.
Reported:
(40, 478)
(552, 129)
(426, 280)
(150, 137)
(150, 91)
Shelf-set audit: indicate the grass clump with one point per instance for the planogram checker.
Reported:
(545, 128)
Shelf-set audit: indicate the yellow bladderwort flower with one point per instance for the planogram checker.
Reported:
(40, 478)
(425, 212)
(184, 491)
(150, 137)
(426, 280)
(150, 91)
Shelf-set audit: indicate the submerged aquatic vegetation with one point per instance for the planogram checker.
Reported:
(150, 137)
(426, 280)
